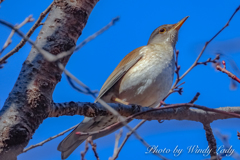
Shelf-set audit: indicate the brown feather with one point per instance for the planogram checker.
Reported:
(127, 62)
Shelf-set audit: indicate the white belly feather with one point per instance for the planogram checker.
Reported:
(151, 78)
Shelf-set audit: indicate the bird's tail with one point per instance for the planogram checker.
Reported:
(73, 140)
(66, 152)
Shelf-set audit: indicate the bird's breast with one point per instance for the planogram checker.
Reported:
(150, 79)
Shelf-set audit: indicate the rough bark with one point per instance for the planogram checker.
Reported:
(182, 112)
(211, 141)
(30, 100)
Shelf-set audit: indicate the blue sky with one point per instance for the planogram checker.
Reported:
(95, 61)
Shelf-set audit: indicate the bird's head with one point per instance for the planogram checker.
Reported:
(167, 33)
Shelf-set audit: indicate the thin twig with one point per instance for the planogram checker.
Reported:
(94, 147)
(176, 65)
(46, 54)
(188, 105)
(73, 49)
(9, 39)
(70, 75)
(93, 36)
(116, 153)
(209, 60)
(69, 79)
(116, 149)
(29, 33)
(195, 98)
(49, 139)
(83, 153)
(224, 70)
(205, 46)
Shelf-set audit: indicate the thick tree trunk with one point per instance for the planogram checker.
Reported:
(30, 100)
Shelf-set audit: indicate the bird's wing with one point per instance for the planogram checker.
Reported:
(127, 62)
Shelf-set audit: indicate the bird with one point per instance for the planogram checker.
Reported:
(143, 77)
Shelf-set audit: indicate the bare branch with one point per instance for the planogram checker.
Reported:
(174, 111)
(64, 54)
(209, 60)
(118, 150)
(205, 46)
(49, 139)
(176, 65)
(30, 32)
(83, 91)
(83, 153)
(211, 141)
(195, 98)
(46, 54)
(9, 39)
(224, 70)
(71, 76)
(94, 147)
(164, 113)
(90, 38)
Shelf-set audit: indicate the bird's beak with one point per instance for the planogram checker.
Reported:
(178, 25)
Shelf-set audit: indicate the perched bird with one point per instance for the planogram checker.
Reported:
(143, 77)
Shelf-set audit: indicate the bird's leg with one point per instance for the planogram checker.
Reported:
(115, 99)
(160, 104)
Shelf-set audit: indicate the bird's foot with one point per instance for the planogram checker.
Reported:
(119, 101)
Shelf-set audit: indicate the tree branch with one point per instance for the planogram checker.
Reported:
(224, 70)
(83, 153)
(94, 147)
(180, 112)
(49, 139)
(30, 32)
(118, 149)
(30, 100)
(175, 111)
(78, 47)
(205, 46)
(211, 141)
(9, 39)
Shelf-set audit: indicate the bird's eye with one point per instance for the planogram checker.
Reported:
(162, 30)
